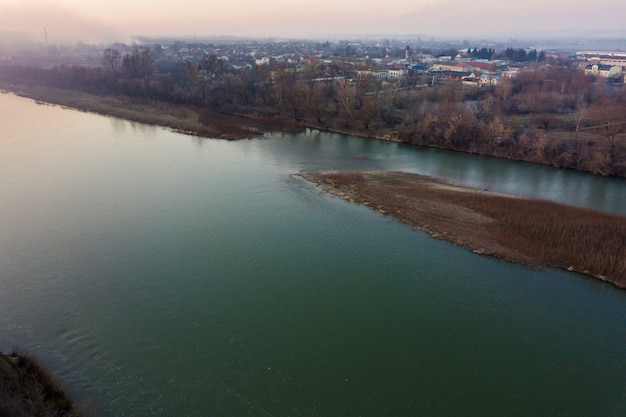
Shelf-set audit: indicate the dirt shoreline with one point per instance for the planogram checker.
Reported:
(532, 232)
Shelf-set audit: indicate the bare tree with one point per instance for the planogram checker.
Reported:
(209, 64)
(310, 72)
(503, 91)
(191, 78)
(608, 121)
(582, 107)
(111, 60)
(499, 133)
(140, 64)
(346, 95)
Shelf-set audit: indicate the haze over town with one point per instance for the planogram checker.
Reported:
(117, 20)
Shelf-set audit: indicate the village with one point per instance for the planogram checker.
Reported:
(425, 62)
(390, 61)
(510, 99)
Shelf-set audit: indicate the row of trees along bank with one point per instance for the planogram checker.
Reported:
(553, 115)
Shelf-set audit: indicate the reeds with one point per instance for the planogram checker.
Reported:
(530, 231)
(27, 389)
(555, 234)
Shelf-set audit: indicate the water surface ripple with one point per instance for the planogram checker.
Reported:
(162, 274)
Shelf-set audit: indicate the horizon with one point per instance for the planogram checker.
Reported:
(71, 21)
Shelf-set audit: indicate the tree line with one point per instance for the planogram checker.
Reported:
(551, 115)
(510, 54)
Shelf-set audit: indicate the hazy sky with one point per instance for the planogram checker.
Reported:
(118, 20)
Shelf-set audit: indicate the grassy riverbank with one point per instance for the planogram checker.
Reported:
(28, 390)
(533, 232)
(182, 118)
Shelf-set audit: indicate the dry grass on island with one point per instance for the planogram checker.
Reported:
(533, 232)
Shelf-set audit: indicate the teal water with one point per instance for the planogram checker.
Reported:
(163, 274)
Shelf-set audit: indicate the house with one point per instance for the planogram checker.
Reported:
(452, 66)
(396, 73)
(602, 58)
(482, 66)
(453, 75)
(488, 80)
(606, 71)
(510, 74)
(372, 75)
(470, 81)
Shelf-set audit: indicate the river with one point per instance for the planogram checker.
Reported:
(162, 274)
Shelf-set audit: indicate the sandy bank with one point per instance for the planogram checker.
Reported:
(533, 232)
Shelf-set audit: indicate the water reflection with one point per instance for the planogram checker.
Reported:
(123, 126)
(314, 151)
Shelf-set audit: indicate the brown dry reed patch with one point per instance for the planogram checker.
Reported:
(530, 231)
(27, 389)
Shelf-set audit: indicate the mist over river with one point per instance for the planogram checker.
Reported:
(162, 274)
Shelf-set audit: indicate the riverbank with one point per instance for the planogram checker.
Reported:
(183, 118)
(27, 389)
(532, 232)
(562, 148)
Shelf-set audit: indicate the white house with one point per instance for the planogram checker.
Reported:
(262, 61)
(488, 79)
(371, 74)
(510, 74)
(396, 73)
(606, 71)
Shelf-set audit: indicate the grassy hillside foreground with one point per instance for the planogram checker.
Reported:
(28, 390)
(533, 232)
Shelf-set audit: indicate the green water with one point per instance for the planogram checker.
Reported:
(162, 274)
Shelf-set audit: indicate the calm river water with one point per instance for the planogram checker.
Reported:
(162, 274)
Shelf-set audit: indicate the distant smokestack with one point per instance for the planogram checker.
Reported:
(45, 35)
